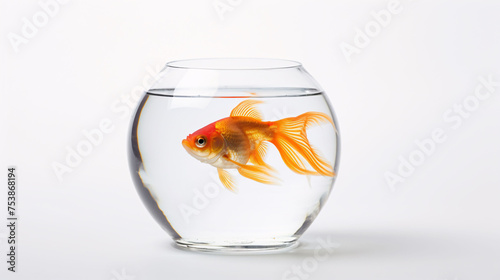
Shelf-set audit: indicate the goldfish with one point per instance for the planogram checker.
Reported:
(241, 141)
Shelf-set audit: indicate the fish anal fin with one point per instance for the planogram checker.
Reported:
(247, 108)
(257, 157)
(226, 179)
(259, 173)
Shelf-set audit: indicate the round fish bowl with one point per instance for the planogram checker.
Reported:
(234, 155)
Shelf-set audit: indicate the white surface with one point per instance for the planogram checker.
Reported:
(441, 223)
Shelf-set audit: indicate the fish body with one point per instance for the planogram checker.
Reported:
(242, 135)
(240, 142)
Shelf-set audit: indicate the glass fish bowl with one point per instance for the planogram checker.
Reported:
(234, 155)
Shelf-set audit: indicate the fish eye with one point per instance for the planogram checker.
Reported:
(201, 142)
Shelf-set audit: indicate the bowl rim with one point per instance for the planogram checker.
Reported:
(234, 64)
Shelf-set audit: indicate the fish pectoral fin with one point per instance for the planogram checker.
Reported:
(259, 173)
(226, 179)
(246, 108)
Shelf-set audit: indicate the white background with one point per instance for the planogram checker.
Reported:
(440, 223)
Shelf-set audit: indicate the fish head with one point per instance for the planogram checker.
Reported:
(206, 144)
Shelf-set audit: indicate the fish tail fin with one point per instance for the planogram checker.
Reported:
(290, 139)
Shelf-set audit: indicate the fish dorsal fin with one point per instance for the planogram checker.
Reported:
(247, 109)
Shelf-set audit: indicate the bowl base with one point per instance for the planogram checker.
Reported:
(259, 247)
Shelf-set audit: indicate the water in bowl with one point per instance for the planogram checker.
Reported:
(186, 196)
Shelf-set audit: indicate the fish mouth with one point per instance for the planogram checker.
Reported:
(186, 146)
